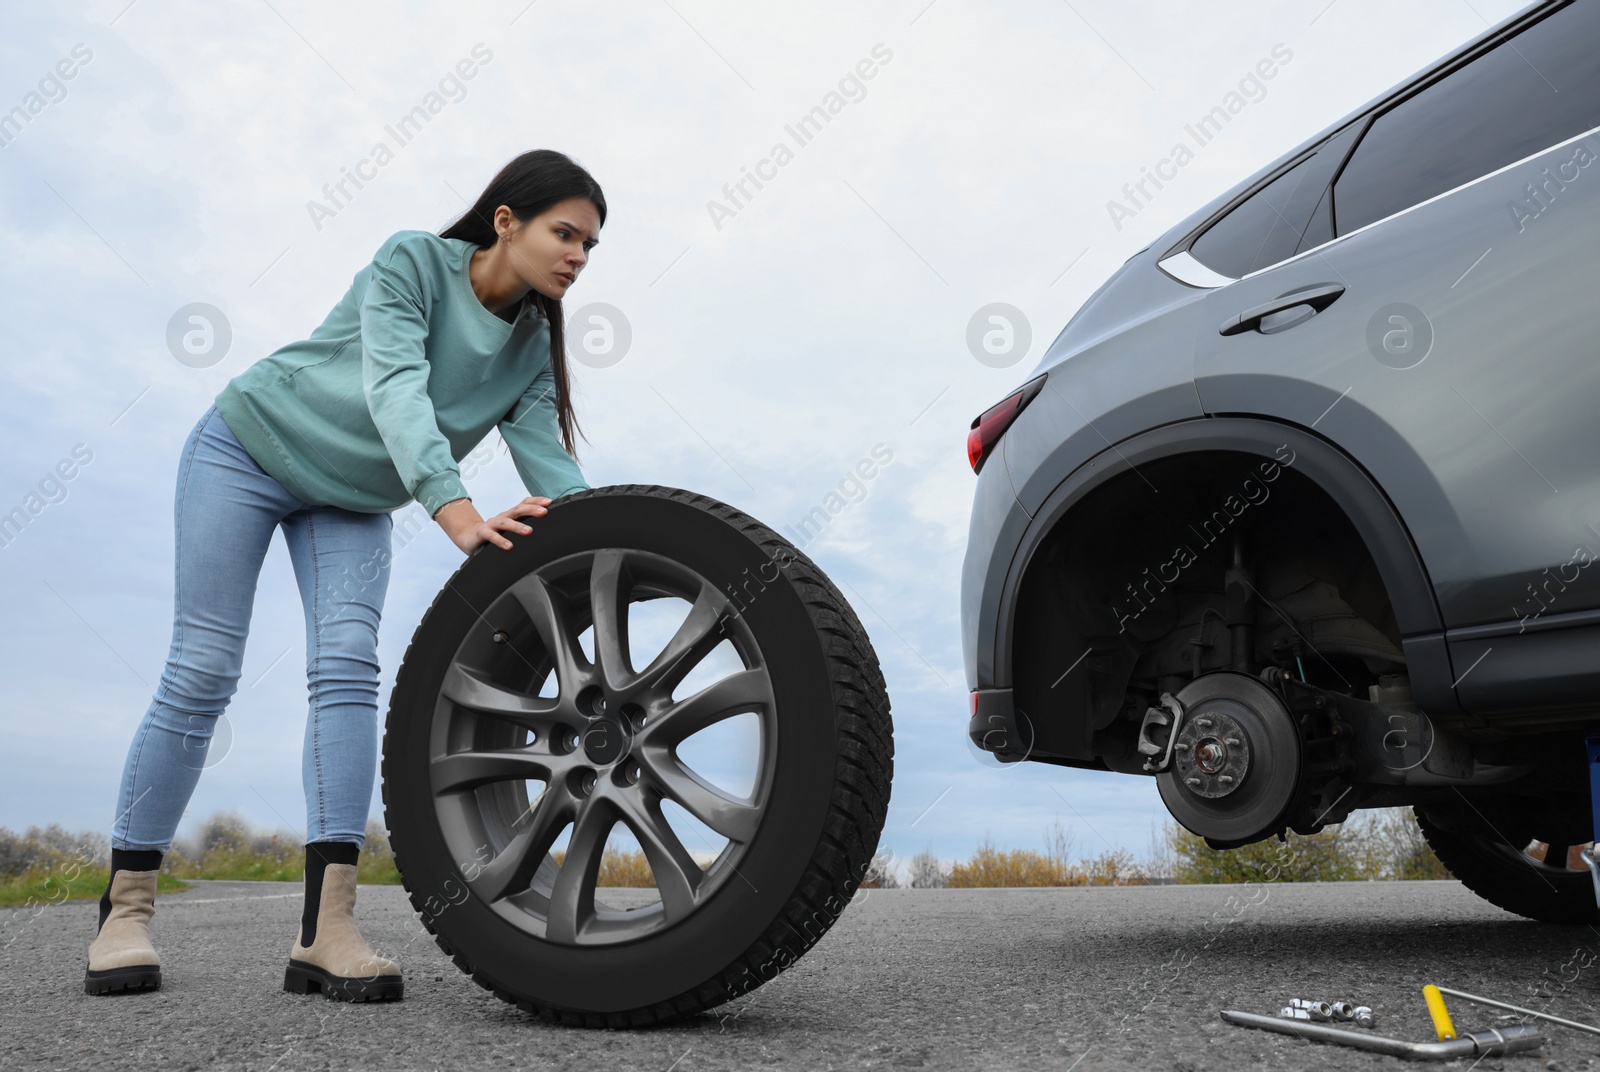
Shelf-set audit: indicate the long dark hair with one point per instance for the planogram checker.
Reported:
(529, 185)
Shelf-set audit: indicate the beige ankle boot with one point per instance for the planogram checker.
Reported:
(339, 962)
(121, 956)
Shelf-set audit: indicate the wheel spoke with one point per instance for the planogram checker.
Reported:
(735, 694)
(735, 820)
(1556, 856)
(468, 689)
(468, 770)
(572, 898)
(608, 602)
(552, 618)
(700, 631)
(512, 869)
(678, 877)
(590, 789)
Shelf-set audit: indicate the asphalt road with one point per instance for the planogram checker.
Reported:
(1074, 979)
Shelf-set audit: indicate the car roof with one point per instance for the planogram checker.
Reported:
(1216, 205)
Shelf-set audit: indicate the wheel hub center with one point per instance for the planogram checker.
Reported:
(1212, 754)
(606, 740)
(608, 736)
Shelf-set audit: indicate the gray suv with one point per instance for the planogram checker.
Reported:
(1296, 513)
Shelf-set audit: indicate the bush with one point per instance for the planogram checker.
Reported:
(1406, 851)
(90, 847)
(376, 862)
(50, 866)
(619, 868)
(1338, 853)
(44, 847)
(625, 869)
(881, 873)
(232, 854)
(19, 854)
(927, 873)
(1114, 868)
(1015, 867)
(228, 847)
(1053, 867)
(1380, 844)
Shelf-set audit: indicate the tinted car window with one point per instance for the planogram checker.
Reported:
(1261, 231)
(1528, 93)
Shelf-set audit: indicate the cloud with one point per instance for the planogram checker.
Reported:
(825, 318)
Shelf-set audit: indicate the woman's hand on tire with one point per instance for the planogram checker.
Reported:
(506, 521)
(467, 530)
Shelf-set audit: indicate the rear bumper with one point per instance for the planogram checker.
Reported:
(998, 522)
(997, 727)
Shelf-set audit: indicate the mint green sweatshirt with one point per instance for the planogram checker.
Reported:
(405, 376)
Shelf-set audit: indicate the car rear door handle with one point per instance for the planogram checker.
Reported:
(1313, 300)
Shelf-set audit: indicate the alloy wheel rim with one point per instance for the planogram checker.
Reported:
(605, 746)
(1543, 857)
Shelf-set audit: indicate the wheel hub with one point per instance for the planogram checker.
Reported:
(1212, 754)
(1236, 759)
(605, 746)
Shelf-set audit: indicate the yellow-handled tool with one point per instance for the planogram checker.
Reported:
(1441, 1016)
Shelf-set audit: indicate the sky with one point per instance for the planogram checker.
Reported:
(774, 340)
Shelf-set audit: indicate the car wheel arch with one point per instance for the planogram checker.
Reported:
(1344, 481)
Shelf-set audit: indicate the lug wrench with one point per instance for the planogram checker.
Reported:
(1492, 1042)
(1517, 1008)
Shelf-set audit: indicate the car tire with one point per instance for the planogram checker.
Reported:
(1484, 854)
(799, 842)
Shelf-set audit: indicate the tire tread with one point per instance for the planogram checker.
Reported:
(1523, 891)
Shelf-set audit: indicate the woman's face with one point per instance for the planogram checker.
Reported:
(548, 251)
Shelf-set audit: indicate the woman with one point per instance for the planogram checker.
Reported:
(439, 339)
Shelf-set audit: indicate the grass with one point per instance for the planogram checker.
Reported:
(53, 885)
(51, 866)
(275, 863)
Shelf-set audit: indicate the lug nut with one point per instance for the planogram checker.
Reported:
(1288, 1012)
(635, 716)
(1316, 1010)
(1364, 1017)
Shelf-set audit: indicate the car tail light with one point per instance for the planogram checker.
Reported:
(991, 424)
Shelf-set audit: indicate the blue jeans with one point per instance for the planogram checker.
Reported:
(226, 510)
